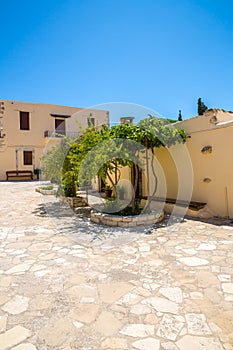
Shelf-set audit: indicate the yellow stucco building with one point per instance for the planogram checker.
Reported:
(201, 170)
(210, 147)
(27, 129)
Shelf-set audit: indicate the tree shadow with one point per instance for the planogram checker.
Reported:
(80, 228)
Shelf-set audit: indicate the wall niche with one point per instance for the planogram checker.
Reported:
(207, 180)
(207, 150)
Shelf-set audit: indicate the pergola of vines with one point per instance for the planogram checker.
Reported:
(103, 151)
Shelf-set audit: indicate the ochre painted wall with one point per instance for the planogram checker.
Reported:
(40, 120)
(182, 168)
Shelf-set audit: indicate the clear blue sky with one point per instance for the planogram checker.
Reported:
(162, 54)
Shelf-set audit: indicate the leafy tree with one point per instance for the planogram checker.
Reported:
(158, 132)
(107, 158)
(102, 152)
(75, 155)
(53, 160)
(124, 144)
(201, 107)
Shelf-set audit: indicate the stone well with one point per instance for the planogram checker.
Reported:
(127, 221)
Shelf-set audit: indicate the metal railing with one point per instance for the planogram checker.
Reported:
(59, 134)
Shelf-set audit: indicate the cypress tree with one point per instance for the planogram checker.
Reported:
(201, 107)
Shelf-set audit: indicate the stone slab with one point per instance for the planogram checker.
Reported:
(173, 294)
(107, 324)
(17, 305)
(110, 292)
(227, 288)
(25, 346)
(13, 337)
(193, 261)
(138, 330)
(162, 305)
(197, 324)
(189, 342)
(147, 344)
(114, 343)
(169, 327)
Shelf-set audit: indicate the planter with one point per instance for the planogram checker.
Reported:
(127, 221)
(46, 192)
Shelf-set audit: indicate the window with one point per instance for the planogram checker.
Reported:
(90, 122)
(60, 127)
(126, 120)
(24, 120)
(27, 157)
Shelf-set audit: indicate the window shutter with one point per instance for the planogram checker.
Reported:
(27, 157)
(24, 120)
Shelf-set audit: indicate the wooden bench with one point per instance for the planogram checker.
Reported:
(191, 205)
(17, 174)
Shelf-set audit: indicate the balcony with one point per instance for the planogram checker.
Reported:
(60, 134)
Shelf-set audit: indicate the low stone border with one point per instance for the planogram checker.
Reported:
(48, 192)
(127, 221)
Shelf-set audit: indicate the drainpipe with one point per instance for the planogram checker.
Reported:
(227, 202)
(17, 160)
(33, 160)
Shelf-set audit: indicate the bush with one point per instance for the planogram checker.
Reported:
(69, 184)
(68, 189)
(111, 205)
(48, 187)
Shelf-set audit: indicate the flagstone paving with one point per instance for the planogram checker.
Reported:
(67, 284)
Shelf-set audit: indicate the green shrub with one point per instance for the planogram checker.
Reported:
(48, 187)
(111, 205)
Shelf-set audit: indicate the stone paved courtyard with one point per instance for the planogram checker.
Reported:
(68, 284)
